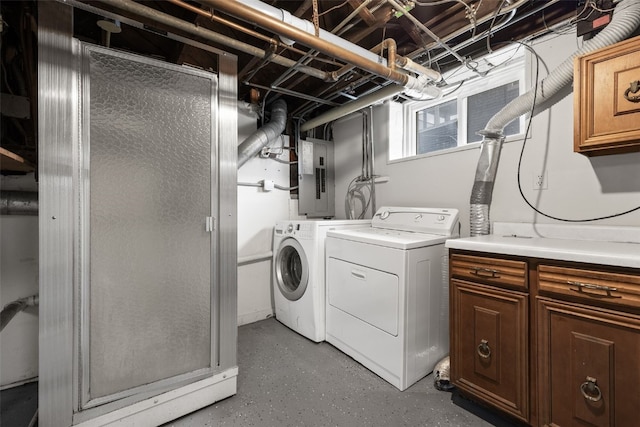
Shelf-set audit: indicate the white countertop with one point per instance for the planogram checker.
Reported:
(621, 250)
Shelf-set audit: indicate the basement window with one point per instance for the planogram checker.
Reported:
(452, 122)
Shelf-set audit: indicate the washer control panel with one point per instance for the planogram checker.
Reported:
(297, 229)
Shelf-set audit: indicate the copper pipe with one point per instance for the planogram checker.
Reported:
(185, 27)
(223, 21)
(239, 27)
(236, 8)
(389, 44)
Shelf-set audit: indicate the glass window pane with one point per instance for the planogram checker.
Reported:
(437, 127)
(482, 106)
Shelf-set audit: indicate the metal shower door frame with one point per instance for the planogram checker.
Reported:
(59, 270)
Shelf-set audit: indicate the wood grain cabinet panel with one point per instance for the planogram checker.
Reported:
(591, 286)
(490, 270)
(588, 365)
(489, 346)
(607, 99)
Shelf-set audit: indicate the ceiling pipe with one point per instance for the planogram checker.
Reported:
(424, 28)
(363, 102)
(511, 9)
(239, 27)
(264, 135)
(18, 203)
(625, 20)
(312, 55)
(284, 16)
(186, 27)
(345, 51)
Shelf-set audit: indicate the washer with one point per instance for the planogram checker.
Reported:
(298, 273)
(387, 292)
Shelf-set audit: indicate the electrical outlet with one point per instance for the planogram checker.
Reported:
(540, 181)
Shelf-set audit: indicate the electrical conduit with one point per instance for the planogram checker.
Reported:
(626, 18)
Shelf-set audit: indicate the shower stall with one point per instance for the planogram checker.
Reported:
(137, 180)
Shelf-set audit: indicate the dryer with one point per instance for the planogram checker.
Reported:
(387, 292)
(299, 273)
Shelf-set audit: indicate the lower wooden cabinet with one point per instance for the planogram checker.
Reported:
(490, 348)
(589, 365)
(549, 343)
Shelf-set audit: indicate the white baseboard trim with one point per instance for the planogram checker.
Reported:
(171, 405)
(256, 316)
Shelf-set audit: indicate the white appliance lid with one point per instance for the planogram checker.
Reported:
(389, 238)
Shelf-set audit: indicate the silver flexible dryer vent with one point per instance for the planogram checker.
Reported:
(266, 134)
(626, 18)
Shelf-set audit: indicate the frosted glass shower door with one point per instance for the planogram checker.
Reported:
(148, 193)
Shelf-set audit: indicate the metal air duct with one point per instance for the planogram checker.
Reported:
(264, 135)
(18, 203)
(626, 18)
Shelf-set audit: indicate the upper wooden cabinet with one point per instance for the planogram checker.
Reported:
(606, 108)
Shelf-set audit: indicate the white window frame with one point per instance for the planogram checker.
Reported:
(515, 70)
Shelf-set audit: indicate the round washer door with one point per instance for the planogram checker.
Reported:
(291, 269)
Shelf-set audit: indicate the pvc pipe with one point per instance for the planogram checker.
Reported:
(350, 53)
(380, 95)
(309, 28)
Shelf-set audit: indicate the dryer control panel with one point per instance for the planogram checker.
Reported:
(419, 220)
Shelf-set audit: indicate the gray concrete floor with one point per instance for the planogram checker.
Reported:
(288, 380)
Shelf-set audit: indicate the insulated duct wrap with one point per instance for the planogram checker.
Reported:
(266, 134)
(626, 18)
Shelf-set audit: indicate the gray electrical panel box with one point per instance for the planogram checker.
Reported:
(316, 181)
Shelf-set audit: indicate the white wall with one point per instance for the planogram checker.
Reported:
(19, 279)
(579, 187)
(258, 211)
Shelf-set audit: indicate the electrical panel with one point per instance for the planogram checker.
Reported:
(316, 180)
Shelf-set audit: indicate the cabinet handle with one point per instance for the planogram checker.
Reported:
(590, 390)
(634, 87)
(484, 350)
(581, 286)
(485, 272)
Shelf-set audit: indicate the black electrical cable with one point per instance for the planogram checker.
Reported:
(524, 143)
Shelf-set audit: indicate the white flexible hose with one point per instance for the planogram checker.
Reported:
(626, 18)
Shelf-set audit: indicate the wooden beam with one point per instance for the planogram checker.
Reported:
(364, 13)
(11, 162)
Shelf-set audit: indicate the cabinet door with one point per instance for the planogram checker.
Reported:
(489, 346)
(588, 366)
(606, 100)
